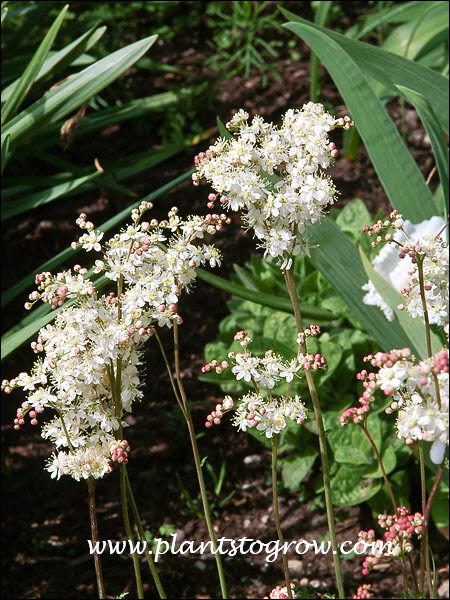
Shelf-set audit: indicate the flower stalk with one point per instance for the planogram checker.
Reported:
(95, 539)
(290, 283)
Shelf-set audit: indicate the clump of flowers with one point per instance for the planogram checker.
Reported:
(281, 591)
(428, 260)
(263, 411)
(274, 175)
(363, 592)
(399, 530)
(420, 395)
(88, 369)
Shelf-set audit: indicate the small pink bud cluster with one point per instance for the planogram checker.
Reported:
(214, 364)
(363, 592)
(215, 222)
(440, 363)
(413, 251)
(38, 345)
(307, 333)
(313, 361)
(395, 221)
(369, 381)
(137, 213)
(83, 224)
(216, 415)
(23, 410)
(281, 591)
(344, 122)
(399, 529)
(119, 451)
(243, 338)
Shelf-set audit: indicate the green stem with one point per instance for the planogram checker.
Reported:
(322, 439)
(141, 531)
(198, 467)
(276, 513)
(394, 505)
(427, 514)
(94, 535)
(129, 531)
(424, 552)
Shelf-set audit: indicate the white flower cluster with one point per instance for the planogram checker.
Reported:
(433, 254)
(410, 247)
(88, 372)
(268, 414)
(420, 395)
(274, 175)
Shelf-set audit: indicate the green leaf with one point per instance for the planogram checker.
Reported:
(415, 37)
(283, 304)
(296, 467)
(30, 74)
(353, 217)
(57, 61)
(399, 13)
(5, 149)
(437, 138)
(12, 208)
(350, 444)
(348, 487)
(71, 94)
(415, 328)
(335, 255)
(408, 193)
(388, 68)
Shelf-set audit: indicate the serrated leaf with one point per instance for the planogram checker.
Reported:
(348, 487)
(296, 467)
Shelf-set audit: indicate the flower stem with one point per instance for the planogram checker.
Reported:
(322, 439)
(141, 531)
(94, 535)
(424, 551)
(198, 467)
(427, 513)
(276, 513)
(129, 531)
(394, 505)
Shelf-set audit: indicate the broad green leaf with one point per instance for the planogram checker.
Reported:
(50, 265)
(437, 138)
(389, 68)
(415, 37)
(30, 74)
(337, 257)
(71, 94)
(389, 155)
(12, 208)
(353, 217)
(350, 444)
(399, 13)
(57, 61)
(348, 487)
(415, 328)
(296, 467)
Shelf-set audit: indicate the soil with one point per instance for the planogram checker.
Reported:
(45, 523)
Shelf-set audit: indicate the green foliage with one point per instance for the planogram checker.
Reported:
(238, 27)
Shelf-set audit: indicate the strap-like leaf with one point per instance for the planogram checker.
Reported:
(70, 95)
(30, 74)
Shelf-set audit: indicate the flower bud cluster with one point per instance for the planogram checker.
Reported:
(363, 592)
(281, 591)
(399, 531)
